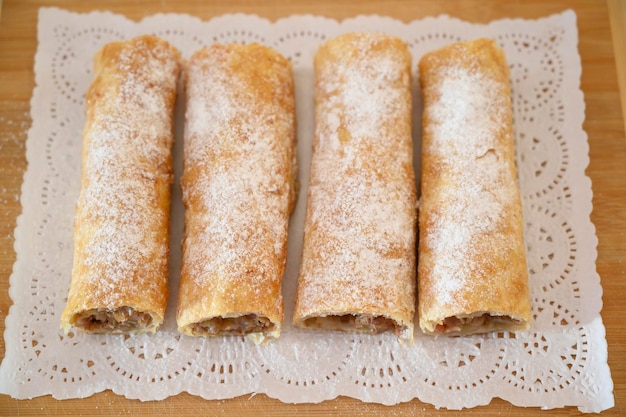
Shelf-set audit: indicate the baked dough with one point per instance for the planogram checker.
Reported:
(238, 189)
(472, 273)
(358, 263)
(121, 229)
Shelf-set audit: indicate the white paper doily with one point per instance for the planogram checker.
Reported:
(561, 361)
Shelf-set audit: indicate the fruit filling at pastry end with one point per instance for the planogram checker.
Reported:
(479, 323)
(232, 326)
(119, 320)
(351, 322)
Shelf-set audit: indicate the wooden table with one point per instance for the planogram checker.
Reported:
(604, 124)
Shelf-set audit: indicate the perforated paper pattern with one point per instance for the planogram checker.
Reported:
(560, 361)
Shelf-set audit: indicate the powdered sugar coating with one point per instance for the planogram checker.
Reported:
(465, 121)
(471, 246)
(121, 226)
(358, 254)
(238, 182)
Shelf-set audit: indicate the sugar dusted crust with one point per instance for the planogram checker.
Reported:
(358, 262)
(238, 189)
(121, 229)
(472, 272)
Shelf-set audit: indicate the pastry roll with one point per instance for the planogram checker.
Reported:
(472, 272)
(238, 189)
(121, 229)
(358, 262)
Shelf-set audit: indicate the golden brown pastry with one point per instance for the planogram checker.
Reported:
(358, 262)
(121, 229)
(472, 274)
(239, 190)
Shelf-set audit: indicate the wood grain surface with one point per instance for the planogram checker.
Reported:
(604, 125)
